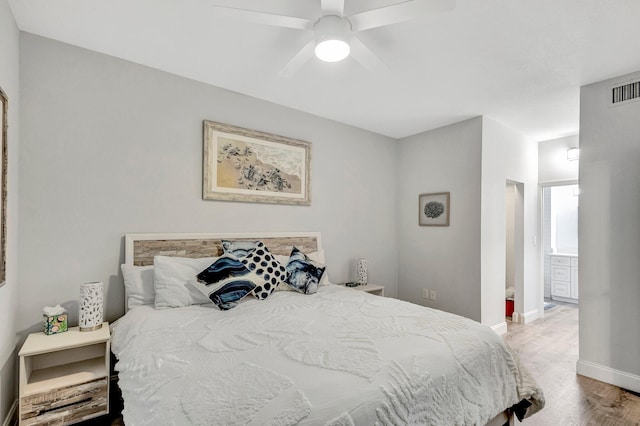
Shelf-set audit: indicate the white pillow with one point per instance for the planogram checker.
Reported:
(171, 275)
(138, 282)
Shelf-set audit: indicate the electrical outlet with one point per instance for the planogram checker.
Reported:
(425, 293)
(432, 295)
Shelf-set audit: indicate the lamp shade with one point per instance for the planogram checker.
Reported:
(91, 305)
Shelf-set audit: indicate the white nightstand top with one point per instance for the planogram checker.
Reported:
(38, 343)
(368, 287)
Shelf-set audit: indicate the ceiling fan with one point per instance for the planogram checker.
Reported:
(334, 34)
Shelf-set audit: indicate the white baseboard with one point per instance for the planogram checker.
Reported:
(10, 420)
(533, 315)
(500, 328)
(608, 375)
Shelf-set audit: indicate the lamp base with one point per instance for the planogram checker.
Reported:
(94, 328)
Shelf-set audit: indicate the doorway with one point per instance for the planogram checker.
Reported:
(560, 244)
(514, 250)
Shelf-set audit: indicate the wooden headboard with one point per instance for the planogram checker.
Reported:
(140, 248)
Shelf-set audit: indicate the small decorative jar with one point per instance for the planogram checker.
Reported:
(54, 320)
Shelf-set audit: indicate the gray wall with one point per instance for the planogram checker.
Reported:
(445, 259)
(465, 262)
(609, 232)
(110, 147)
(9, 81)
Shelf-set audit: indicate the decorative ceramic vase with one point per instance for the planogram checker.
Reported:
(361, 271)
(91, 305)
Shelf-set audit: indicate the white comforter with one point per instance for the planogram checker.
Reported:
(338, 357)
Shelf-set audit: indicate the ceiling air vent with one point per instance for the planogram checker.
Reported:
(622, 94)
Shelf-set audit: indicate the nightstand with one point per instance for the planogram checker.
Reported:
(64, 378)
(378, 290)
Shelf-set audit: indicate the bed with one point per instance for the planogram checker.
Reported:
(336, 357)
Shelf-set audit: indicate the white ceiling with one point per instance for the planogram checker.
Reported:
(521, 62)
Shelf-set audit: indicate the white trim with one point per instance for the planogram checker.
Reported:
(530, 316)
(500, 328)
(9, 420)
(565, 299)
(608, 375)
(558, 182)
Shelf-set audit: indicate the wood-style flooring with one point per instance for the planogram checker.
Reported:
(548, 348)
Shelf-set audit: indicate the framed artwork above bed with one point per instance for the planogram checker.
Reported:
(250, 166)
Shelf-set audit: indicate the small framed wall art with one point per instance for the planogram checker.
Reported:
(433, 209)
(256, 167)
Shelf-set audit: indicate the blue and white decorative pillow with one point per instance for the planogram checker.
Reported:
(261, 262)
(239, 248)
(227, 281)
(304, 274)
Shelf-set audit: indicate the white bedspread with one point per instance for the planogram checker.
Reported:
(338, 357)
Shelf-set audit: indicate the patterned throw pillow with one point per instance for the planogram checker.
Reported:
(304, 274)
(239, 248)
(226, 282)
(265, 265)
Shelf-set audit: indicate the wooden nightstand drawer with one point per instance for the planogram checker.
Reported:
(65, 405)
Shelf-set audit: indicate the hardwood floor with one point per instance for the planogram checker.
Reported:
(549, 349)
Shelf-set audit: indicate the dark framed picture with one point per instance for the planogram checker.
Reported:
(433, 209)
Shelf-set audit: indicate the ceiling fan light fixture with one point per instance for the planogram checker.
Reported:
(332, 50)
(332, 38)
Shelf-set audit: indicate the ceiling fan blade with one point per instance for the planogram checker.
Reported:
(332, 7)
(365, 57)
(264, 18)
(398, 13)
(298, 60)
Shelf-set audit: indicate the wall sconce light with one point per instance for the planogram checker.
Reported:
(573, 154)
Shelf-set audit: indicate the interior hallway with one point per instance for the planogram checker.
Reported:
(549, 349)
